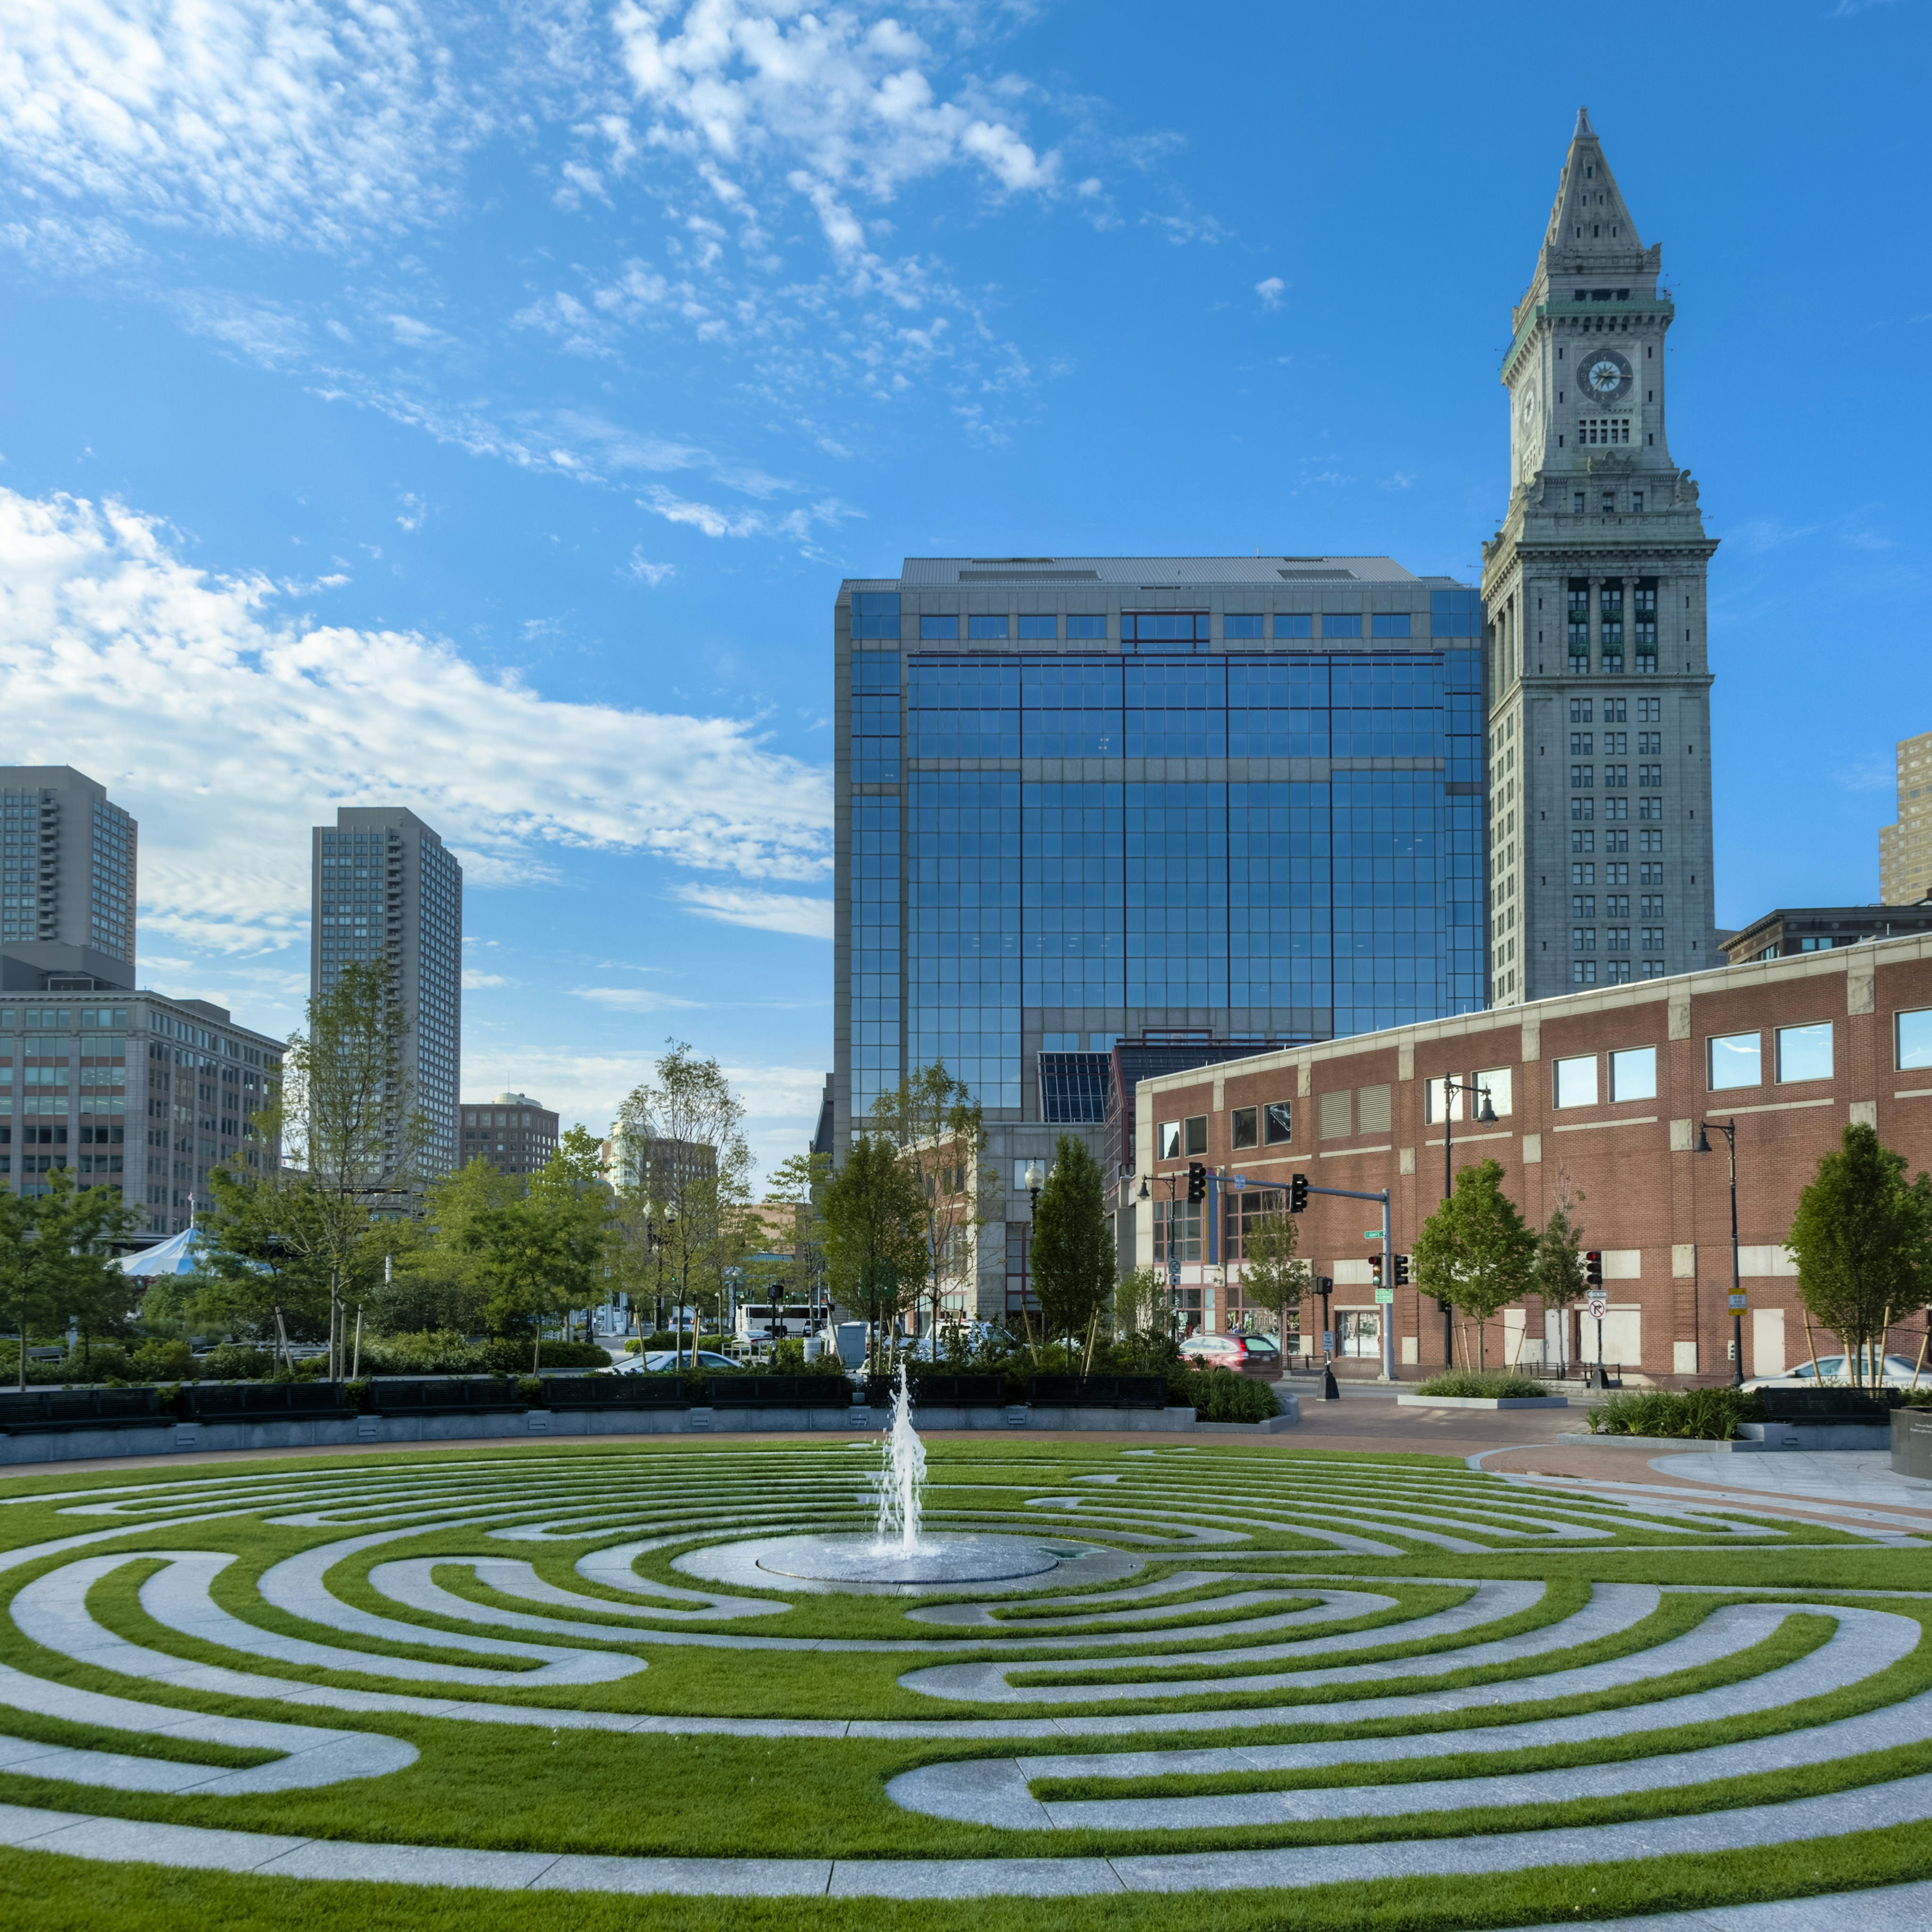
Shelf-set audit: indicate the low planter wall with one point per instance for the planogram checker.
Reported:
(171, 1438)
(1482, 1401)
(1684, 1444)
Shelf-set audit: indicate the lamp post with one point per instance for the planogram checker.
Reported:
(1484, 1116)
(1729, 1128)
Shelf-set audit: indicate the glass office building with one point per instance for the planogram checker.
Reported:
(1084, 798)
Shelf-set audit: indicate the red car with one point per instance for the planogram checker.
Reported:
(1249, 1355)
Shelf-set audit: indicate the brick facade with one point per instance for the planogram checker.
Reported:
(1660, 1211)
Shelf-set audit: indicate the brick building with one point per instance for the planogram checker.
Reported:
(1600, 1094)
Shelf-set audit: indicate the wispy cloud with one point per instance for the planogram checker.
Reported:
(108, 641)
(644, 570)
(1271, 291)
(633, 999)
(265, 119)
(771, 912)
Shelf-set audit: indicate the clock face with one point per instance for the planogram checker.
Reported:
(1526, 408)
(1606, 376)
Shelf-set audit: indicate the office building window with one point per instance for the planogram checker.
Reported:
(1335, 626)
(1039, 627)
(938, 630)
(1080, 626)
(1576, 1081)
(1293, 624)
(1280, 1122)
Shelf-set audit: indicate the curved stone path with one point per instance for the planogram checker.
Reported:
(1182, 1577)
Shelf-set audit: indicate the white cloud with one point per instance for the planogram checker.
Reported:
(843, 106)
(110, 645)
(283, 119)
(633, 999)
(641, 567)
(714, 522)
(772, 912)
(1270, 291)
(474, 981)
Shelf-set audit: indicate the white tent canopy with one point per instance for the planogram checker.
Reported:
(179, 1254)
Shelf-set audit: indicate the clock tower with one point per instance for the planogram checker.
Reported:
(1594, 598)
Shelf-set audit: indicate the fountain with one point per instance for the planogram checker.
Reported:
(899, 1550)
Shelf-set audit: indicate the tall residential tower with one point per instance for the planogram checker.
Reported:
(385, 887)
(67, 897)
(1599, 772)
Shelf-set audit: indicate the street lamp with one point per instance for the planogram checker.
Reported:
(1729, 1128)
(1484, 1116)
(1035, 1181)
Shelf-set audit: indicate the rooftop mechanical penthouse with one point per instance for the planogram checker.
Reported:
(1083, 797)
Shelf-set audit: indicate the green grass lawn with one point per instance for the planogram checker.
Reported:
(1266, 1515)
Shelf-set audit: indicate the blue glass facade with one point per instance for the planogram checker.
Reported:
(1242, 820)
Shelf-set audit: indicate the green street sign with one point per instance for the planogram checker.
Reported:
(1371, 1233)
(1385, 1295)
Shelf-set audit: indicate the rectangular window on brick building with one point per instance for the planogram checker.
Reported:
(1736, 1060)
(1576, 1081)
(1633, 1074)
(1804, 1052)
(1913, 1036)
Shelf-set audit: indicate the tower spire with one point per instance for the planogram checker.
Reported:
(1588, 221)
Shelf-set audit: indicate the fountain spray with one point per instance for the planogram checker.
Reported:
(901, 1477)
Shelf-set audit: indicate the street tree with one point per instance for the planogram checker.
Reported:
(251, 1276)
(1557, 1272)
(542, 1255)
(1073, 1262)
(1862, 1239)
(1140, 1302)
(55, 1262)
(875, 1233)
(939, 1130)
(1476, 1252)
(1273, 1273)
(695, 1175)
(352, 1135)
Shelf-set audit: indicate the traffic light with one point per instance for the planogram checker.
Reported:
(1593, 1268)
(1375, 1269)
(1197, 1182)
(1297, 1194)
(1402, 1270)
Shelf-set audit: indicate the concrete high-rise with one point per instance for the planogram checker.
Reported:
(1905, 849)
(1593, 589)
(67, 874)
(1083, 798)
(385, 888)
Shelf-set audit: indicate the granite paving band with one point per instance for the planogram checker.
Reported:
(1176, 1577)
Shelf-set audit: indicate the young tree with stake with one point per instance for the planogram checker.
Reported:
(1074, 1264)
(1862, 1239)
(1475, 1251)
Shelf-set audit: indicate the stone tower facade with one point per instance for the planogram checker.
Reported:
(1594, 597)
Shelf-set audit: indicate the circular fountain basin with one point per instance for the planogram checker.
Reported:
(936, 1560)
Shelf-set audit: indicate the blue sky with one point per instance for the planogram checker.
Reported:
(477, 407)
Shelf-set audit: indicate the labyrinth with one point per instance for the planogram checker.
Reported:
(1325, 1689)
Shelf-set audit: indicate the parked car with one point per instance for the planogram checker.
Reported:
(662, 1361)
(1253, 1354)
(1899, 1371)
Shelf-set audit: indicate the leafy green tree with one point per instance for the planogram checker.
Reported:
(1273, 1273)
(1862, 1238)
(543, 1254)
(353, 1135)
(1074, 1262)
(436, 1281)
(1557, 1272)
(939, 1131)
(875, 1233)
(695, 1197)
(55, 1264)
(1140, 1302)
(1476, 1252)
(250, 1277)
